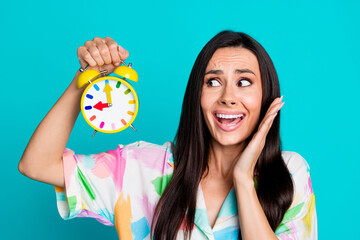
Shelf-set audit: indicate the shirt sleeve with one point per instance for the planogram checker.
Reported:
(300, 221)
(92, 185)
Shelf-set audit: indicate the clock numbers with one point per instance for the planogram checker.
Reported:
(96, 87)
(109, 105)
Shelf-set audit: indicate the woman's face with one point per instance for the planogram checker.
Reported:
(231, 95)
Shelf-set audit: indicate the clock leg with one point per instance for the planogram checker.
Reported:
(94, 133)
(132, 127)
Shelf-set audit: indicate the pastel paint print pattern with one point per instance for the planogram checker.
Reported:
(147, 207)
(142, 155)
(300, 221)
(123, 217)
(121, 188)
(227, 233)
(111, 163)
(160, 183)
(141, 229)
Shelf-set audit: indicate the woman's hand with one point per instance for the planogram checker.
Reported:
(243, 168)
(101, 54)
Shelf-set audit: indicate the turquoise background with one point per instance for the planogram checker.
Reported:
(314, 46)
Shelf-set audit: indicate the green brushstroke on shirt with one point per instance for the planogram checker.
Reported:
(282, 228)
(160, 183)
(293, 212)
(72, 203)
(86, 184)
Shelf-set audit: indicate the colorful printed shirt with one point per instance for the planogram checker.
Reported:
(122, 187)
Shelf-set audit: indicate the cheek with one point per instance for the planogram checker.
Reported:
(252, 102)
(204, 106)
(251, 98)
(207, 101)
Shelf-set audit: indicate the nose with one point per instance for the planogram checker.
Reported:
(228, 97)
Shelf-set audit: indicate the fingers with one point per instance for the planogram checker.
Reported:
(266, 123)
(124, 54)
(95, 53)
(271, 113)
(85, 57)
(275, 106)
(101, 53)
(113, 49)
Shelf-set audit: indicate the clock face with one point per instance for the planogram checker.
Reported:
(109, 104)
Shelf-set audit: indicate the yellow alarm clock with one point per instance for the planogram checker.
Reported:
(109, 104)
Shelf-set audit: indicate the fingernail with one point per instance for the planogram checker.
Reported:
(121, 49)
(281, 105)
(117, 64)
(281, 98)
(274, 116)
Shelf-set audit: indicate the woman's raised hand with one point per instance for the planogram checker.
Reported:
(101, 54)
(42, 158)
(243, 168)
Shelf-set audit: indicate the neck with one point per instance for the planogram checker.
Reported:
(221, 159)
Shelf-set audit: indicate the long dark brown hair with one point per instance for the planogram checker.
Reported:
(191, 148)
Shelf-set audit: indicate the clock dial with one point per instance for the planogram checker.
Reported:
(109, 104)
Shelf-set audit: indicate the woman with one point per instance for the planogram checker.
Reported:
(224, 172)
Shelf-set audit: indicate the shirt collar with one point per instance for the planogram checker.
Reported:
(228, 210)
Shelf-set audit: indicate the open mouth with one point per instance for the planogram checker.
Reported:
(228, 122)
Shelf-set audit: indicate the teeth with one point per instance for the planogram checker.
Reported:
(229, 116)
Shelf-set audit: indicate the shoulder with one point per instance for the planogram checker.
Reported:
(140, 148)
(150, 150)
(138, 154)
(147, 145)
(300, 174)
(300, 220)
(148, 154)
(295, 162)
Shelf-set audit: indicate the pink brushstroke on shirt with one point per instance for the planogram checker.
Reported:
(147, 207)
(101, 168)
(88, 214)
(150, 158)
(111, 163)
(309, 182)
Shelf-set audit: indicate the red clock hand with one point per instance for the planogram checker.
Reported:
(100, 106)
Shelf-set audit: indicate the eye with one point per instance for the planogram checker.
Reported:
(213, 83)
(244, 82)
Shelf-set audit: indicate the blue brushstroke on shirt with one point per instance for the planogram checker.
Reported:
(227, 233)
(140, 229)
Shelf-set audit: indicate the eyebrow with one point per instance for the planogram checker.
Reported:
(243, 70)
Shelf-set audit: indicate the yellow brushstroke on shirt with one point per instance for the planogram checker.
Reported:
(308, 218)
(123, 217)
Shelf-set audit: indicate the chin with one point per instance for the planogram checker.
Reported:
(228, 141)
